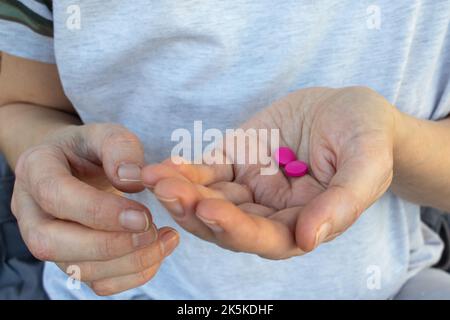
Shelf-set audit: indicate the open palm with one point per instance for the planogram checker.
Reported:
(345, 135)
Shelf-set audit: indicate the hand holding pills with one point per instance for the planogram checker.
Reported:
(345, 135)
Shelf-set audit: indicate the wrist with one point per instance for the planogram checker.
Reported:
(413, 138)
(23, 126)
(401, 123)
(406, 146)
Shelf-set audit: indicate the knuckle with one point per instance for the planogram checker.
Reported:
(13, 207)
(363, 90)
(103, 288)
(120, 137)
(104, 249)
(146, 275)
(117, 134)
(142, 276)
(94, 213)
(109, 127)
(107, 246)
(46, 192)
(141, 260)
(38, 244)
(27, 159)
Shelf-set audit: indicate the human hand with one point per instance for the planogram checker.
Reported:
(69, 208)
(347, 138)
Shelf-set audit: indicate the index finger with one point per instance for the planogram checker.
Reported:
(202, 174)
(55, 240)
(245, 232)
(49, 181)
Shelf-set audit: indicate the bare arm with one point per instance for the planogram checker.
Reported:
(64, 172)
(422, 161)
(32, 104)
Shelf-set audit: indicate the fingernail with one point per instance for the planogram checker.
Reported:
(168, 241)
(173, 205)
(213, 225)
(322, 233)
(129, 172)
(146, 238)
(134, 220)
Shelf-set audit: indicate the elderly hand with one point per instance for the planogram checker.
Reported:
(69, 210)
(346, 136)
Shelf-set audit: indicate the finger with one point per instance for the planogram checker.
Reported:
(119, 151)
(180, 198)
(107, 287)
(55, 240)
(240, 231)
(153, 173)
(219, 161)
(203, 174)
(257, 209)
(234, 192)
(49, 180)
(357, 184)
(134, 262)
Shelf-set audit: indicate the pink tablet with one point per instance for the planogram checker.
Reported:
(284, 155)
(296, 169)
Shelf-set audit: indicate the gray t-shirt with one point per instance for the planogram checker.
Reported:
(155, 66)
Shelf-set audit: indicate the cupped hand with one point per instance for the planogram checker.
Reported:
(68, 204)
(346, 136)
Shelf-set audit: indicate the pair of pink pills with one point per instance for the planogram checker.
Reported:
(286, 158)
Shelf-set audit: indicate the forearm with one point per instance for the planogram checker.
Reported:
(24, 125)
(422, 161)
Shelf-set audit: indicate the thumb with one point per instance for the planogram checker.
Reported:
(357, 184)
(119, 151)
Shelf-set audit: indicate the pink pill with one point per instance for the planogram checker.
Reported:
(284, 155)
(296, 169)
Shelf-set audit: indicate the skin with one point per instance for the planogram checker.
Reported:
(349, 136)
(353, 140)
(67, 195)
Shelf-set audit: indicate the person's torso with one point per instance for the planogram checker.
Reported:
(155, 66)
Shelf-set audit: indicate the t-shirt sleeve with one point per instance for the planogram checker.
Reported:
(26, 29)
